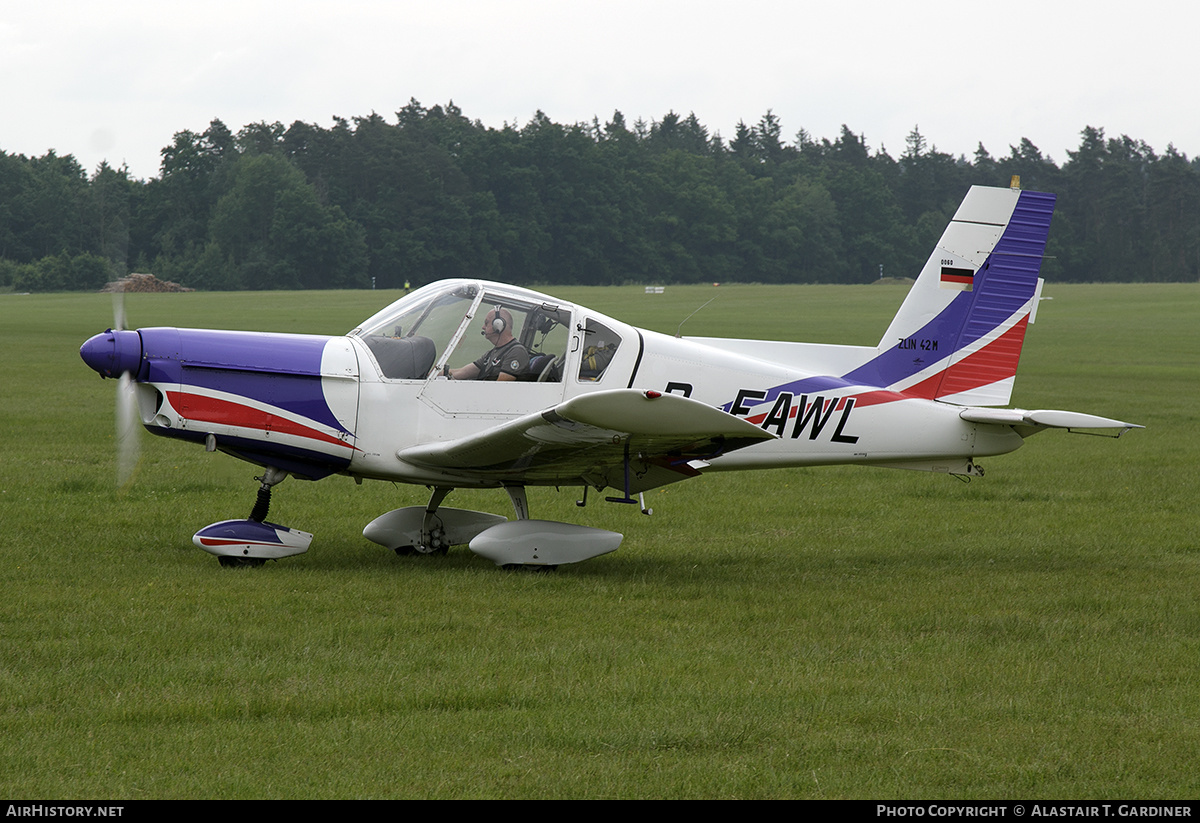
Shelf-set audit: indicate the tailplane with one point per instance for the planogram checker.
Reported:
(958, 334)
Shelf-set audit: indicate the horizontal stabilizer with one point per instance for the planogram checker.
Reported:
(1044, 419)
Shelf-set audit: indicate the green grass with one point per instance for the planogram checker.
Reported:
(836, 632)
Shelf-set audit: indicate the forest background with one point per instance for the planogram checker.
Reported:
(372, 203)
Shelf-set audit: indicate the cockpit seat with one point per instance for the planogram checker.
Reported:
(403, 358)
(542, 368)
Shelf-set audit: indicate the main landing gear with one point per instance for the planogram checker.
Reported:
(433, 538)
(432, 529)
(428, 529)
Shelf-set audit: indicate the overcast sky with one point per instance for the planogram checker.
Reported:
(116, 80)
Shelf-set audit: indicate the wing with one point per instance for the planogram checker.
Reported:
(590, 438)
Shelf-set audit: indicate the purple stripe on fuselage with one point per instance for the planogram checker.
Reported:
(807, 385)
(282, 370)
(894, 364)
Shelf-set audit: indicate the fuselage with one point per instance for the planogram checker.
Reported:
(316, 405)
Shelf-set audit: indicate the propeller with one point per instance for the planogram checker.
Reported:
(129, 428)
(118, 353)
(118, 300)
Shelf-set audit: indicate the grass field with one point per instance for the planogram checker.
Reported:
(819, 633)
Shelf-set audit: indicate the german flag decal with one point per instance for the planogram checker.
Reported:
(954, 278)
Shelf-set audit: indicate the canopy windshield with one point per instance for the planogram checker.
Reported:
(408, 336)
(416, 336)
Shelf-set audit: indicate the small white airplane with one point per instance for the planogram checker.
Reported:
(595, 402)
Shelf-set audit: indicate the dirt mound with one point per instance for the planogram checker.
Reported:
(143, 283)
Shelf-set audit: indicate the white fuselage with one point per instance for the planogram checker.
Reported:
(838, 423)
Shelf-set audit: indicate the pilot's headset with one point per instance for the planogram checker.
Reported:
(498, 324)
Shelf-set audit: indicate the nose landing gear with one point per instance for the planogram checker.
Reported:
(252, 542)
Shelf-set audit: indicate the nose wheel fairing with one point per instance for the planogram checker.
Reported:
(250, 539)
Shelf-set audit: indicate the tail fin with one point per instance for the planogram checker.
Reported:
(958, 334)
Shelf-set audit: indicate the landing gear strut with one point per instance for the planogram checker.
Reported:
(271, 477)
(428, 529)
(433, 533)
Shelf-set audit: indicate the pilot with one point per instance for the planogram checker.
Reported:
(507, 359)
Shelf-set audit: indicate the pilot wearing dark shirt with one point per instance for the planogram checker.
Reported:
(507, 359)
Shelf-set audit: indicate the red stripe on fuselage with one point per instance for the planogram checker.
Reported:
(227, 413)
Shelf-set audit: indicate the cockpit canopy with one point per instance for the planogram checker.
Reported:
(436, 327)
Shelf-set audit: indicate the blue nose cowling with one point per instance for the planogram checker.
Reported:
(113, 352)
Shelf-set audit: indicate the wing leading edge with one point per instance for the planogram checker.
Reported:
(624, 438)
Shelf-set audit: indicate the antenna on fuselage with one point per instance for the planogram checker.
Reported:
(690, 316)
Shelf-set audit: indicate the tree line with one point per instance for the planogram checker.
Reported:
(370, 202)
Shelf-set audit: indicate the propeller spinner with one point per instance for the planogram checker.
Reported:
(118, 353)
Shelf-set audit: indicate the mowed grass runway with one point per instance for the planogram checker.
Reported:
(817, 633)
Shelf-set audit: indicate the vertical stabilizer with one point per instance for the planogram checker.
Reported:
(958, 334)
